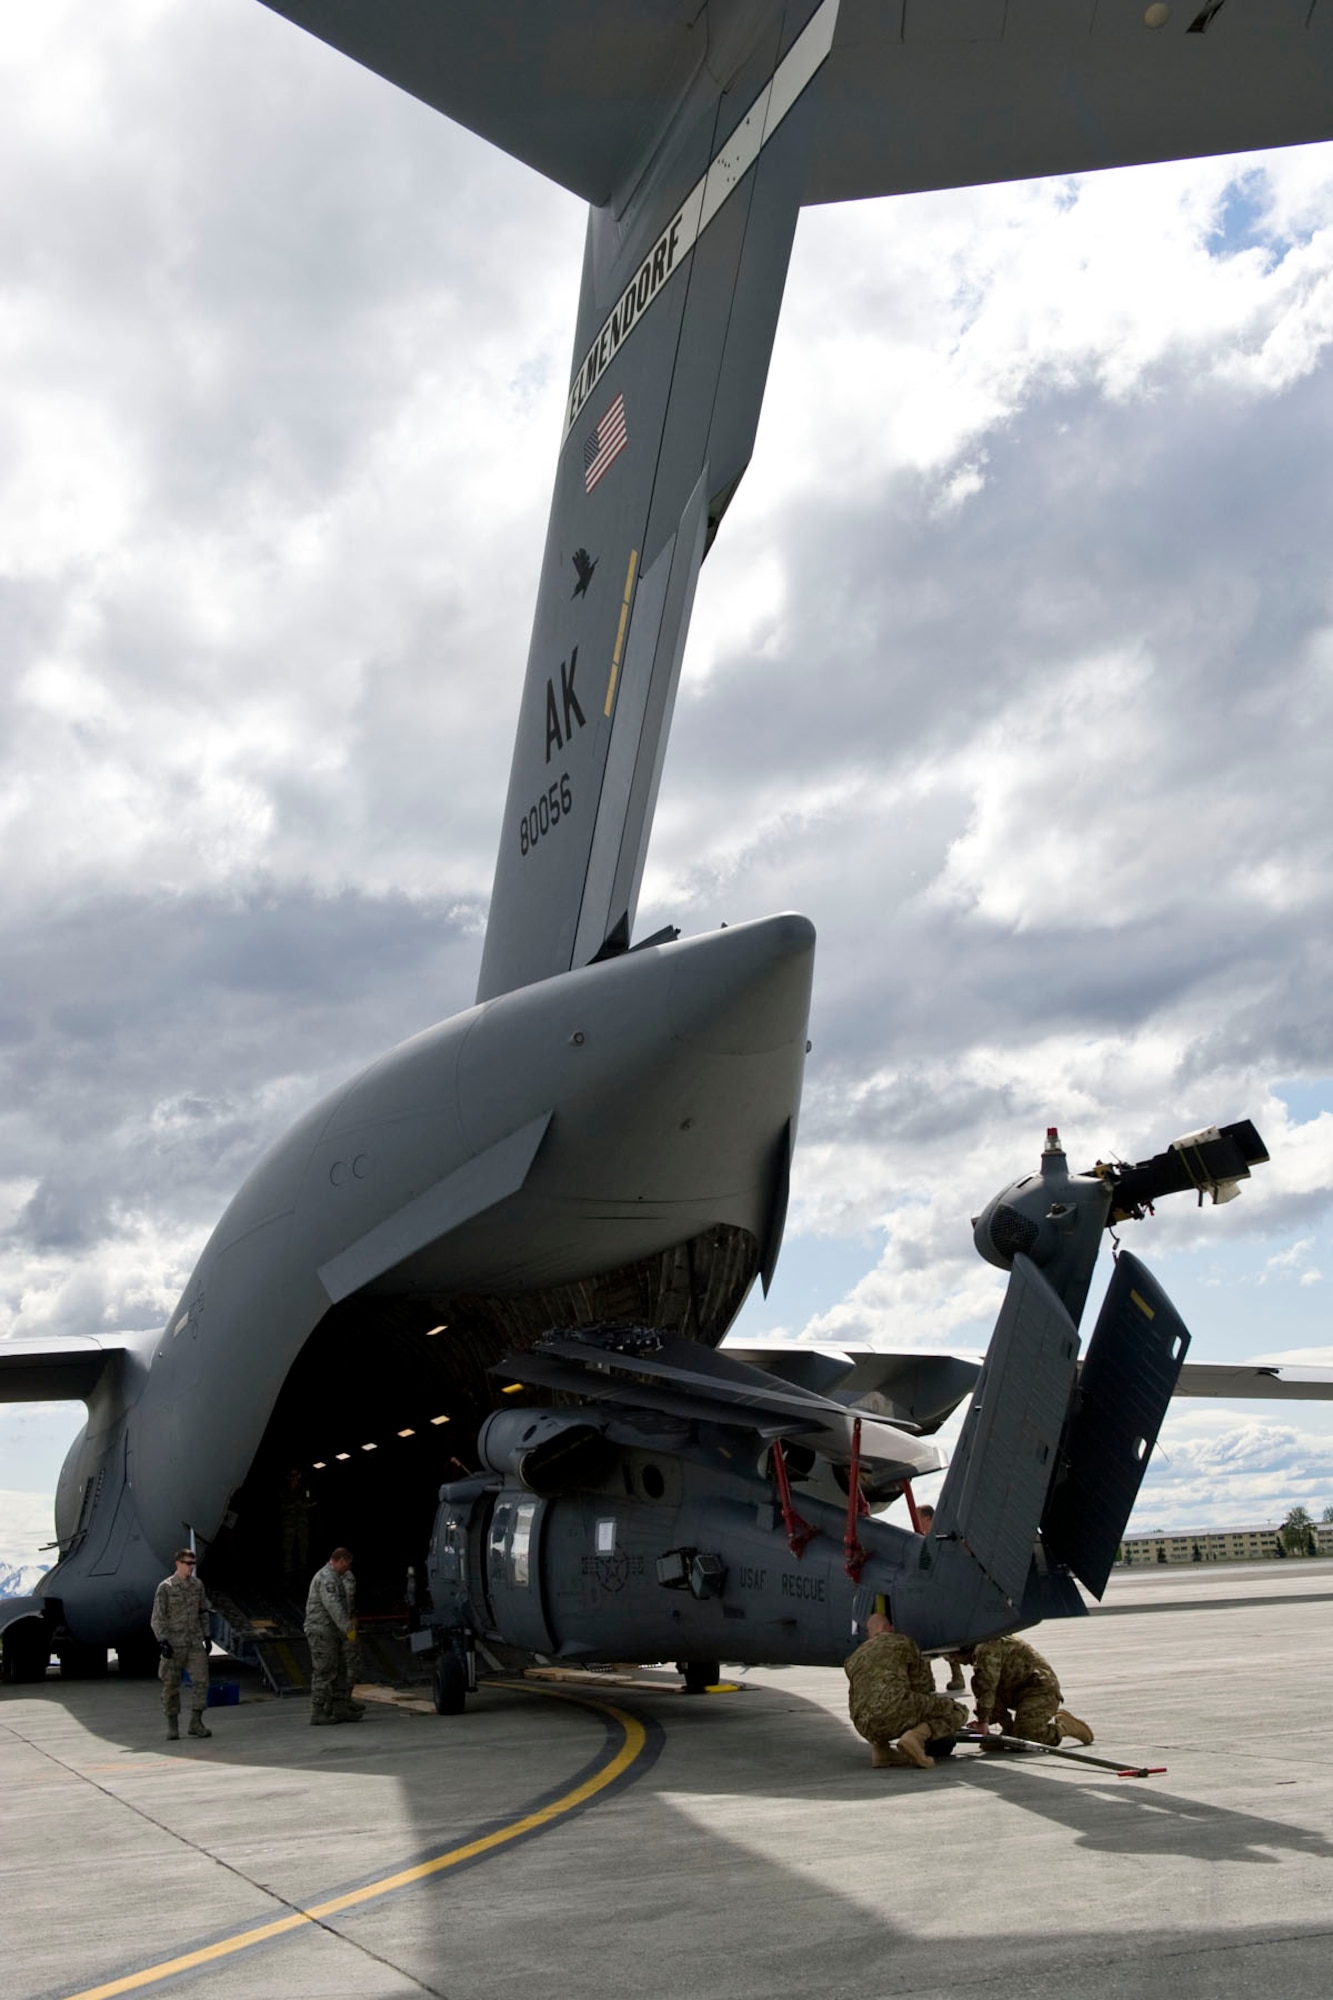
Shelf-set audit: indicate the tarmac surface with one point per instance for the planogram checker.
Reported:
(604, 1840)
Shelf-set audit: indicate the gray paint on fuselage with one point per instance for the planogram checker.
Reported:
(614, 1053)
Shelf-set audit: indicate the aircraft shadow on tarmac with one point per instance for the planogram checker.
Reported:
(662, 1866)
(765, 1743)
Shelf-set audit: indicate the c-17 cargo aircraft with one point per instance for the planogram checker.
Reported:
(483, 1286)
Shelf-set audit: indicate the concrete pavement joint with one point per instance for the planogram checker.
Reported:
(297, 1914)
(621, 1762)
(1197, 1948)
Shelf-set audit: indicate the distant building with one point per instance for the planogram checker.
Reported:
(1214, 1545)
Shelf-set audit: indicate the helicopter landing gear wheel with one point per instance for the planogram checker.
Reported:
(449, 1683)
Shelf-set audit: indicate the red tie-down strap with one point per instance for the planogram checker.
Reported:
(799, 1532)
(906, 1490)
(853, 1553)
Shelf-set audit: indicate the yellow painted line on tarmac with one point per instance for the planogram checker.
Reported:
(634, 1741)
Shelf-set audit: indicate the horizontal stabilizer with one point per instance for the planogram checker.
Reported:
(950, 93)
(1123, 1391)
(947, 93)
(578, 89)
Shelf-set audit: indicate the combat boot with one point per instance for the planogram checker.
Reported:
(197, 1724)
(1069, 1725)
(320, 1714)
(884, 1757)
(347, 1711)
(913, 1743)
(173, 1729)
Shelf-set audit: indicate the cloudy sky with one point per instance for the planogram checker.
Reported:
(1012, 668)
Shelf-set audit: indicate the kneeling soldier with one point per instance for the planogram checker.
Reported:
(892, 1694)
(1013, 1685)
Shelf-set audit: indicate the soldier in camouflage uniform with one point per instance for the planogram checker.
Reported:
(892, 1694)
(330, 1627)
(1013, 1685)
(180, 1626)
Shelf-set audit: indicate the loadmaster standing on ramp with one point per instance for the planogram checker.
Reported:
(330, 1628)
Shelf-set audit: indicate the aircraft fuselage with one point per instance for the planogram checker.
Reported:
(587, 1124)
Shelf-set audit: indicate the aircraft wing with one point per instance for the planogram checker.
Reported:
(63, 1369)
(1256, 1381)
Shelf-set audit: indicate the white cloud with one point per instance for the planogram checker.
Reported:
(1212, 1469)
(26, 1525)
(1011, 665)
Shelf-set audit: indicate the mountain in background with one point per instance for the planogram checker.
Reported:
(18, 1579)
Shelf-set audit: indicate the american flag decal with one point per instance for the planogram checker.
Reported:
(604, 443)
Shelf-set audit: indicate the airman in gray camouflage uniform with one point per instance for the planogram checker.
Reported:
(180, 1626)
(892, 1694)
(330, 1627)
(1013, 1685)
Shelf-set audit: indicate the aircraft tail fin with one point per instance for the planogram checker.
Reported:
(1123, 1391)
(680, 297)
(1050, 1460)
(978, 1564)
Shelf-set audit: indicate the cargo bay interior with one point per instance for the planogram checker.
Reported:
(384, 1402)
